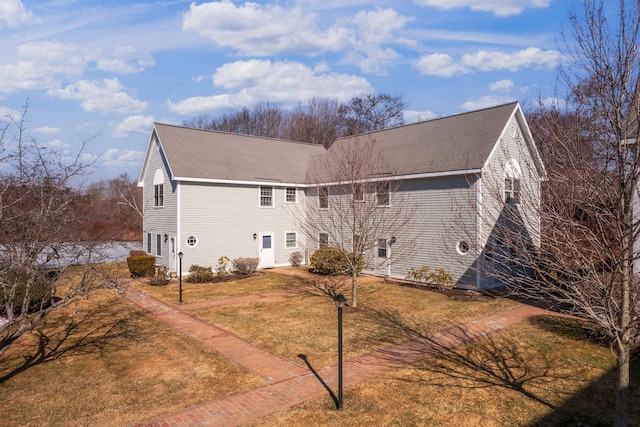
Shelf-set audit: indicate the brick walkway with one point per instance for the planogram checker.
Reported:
(288, 383)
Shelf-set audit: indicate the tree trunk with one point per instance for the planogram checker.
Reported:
(622, 389)
(354, 298)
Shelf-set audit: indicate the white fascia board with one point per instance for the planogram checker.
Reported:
(293, 184)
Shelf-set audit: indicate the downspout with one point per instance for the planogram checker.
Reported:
(479, 245)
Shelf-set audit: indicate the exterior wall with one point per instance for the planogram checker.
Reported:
(224, 218)
(159, 220)
(441, 212)
(511, 146)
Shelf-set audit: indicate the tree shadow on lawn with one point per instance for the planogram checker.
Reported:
(97, 330)
(459, 357)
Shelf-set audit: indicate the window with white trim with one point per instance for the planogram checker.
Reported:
(358, 193)
(323, 197)
(290, 195)
(382, 248)
(382, 194)
(192, 241)
(149, 243)
(158, 188)
(290, 240)
(266, 196)
(512, 174)
(159, 244)
(323, 240)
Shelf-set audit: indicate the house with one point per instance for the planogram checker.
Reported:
(209, 194)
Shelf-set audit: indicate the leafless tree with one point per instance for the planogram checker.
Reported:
(357, 209)
(263, 119)
(316, 123)
(45, 263)
(582, 257)
(366, 113)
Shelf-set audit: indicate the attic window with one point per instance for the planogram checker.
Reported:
(512, 174)
(158, 188)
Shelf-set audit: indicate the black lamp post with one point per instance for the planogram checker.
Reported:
(180, 269)
(340, 301)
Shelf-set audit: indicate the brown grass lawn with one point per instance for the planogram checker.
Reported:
(196, 292)
(102, 363)
(540, 373)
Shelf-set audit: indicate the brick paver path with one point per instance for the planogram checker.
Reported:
(290, 384)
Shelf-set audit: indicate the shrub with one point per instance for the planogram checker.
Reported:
(245, 266)
(223, 267)
(41, 292)
(159, 276)
(331, 261)
(440, 278)
(141, 265)
(199, 274)
(296, 258)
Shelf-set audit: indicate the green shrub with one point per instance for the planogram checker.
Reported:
(440, 278)
(223, 269)
(199, 274)
(331, 261)
(41, 292)
(246, 266)
(141, 265)
(295, 258)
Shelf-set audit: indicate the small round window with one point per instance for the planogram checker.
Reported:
(462, 247)
(192, 241)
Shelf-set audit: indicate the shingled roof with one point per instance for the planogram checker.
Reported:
(458, 143)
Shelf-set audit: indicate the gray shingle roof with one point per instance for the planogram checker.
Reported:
(210, 155)
(455, 143)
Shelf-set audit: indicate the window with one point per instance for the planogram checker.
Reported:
(462, 247)
(290, 240)
(266, 196)
(323, 197)
(158, 188)
(511, 190)
(382, 194)
(158, 195)
(358, 193)
(149, 243)
(382, 248)
(290, 195)
(324, 240)
(192, 241)
(159, 244)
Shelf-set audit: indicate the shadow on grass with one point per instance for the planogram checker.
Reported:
(60, 335)
(462, 357)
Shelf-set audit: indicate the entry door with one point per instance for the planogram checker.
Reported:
(267, 252)
(172, 255)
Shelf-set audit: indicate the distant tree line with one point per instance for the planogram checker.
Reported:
(320, 121)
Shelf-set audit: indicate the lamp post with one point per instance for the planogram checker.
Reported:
(340, 301)
(180, 274)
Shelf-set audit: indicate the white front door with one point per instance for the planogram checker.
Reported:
(172, 255)
(267, 253)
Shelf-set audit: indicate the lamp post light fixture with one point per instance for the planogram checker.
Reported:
(180, 270)
(340, 301)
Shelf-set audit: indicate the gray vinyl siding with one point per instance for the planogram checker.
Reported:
(159, 220)
(224, 218)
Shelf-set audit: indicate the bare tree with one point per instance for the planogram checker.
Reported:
(316, 123)
(44, 263)
(371, 112)
(357, 209)
(582, 257)
(263, 119)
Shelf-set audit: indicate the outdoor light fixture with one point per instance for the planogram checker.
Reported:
(166, 237)
(180, 269)
(392, 240)
(341, 302)
(255, 236)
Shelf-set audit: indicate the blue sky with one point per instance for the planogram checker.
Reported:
(105, 71)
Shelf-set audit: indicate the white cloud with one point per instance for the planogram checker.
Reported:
(13, 13)
(108, 97)
(418, 116)
(284, 83)
(137, 123)
(486, 101)
(121, 158)
(125, 60)
(497, 7)
(443, 65)
(46, 130)
(501, 86)
(268, 30)
(439, 64)
(57, 144)
(530, 57)
(8, 114)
